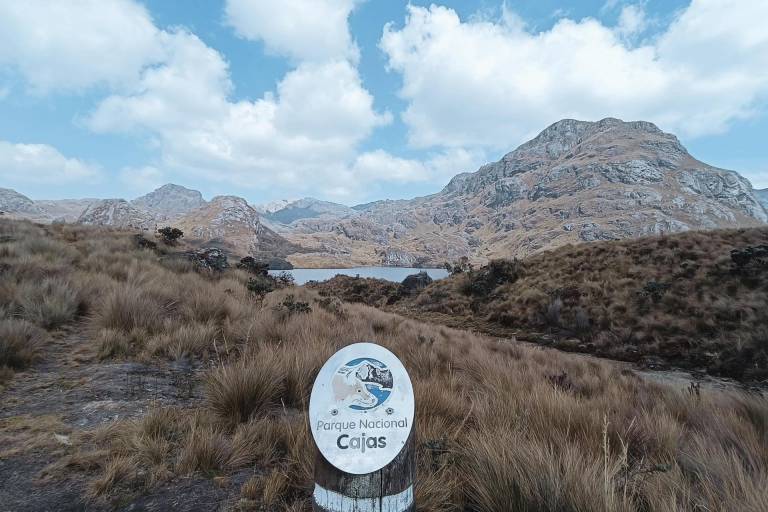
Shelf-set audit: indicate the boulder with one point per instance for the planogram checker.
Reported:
(416, 282)
(211, 258)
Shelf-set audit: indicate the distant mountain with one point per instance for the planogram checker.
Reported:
(577, 181)
(169, 202)
(14, 204)
(230, 220)
(273, 206)
(309, 208)
(65, 210)
(117, 213)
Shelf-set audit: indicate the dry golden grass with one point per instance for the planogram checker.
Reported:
(500, 426)
(680, 299)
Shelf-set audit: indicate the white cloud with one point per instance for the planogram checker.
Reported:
(299, 29)
(189, 87)
(632, 21)
(382, 166)
(41, 164)
(142, 178)
(77, 44)
(493, 84)
(302, 136)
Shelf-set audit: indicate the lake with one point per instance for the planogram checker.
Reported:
(397, 274)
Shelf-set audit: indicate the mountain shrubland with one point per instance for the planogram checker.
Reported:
(147, 381)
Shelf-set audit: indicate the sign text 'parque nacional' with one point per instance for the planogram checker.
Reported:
(361, 408)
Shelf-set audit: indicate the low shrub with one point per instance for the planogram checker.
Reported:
(260, 285)
(170, 235)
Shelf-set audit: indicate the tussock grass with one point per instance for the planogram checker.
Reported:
(680, 299)
(20, 342)
(49, 303)
(500, 426)
(238, 391)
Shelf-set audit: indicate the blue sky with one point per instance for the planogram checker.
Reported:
(353, 101)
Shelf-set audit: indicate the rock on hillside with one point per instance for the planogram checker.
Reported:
(117, 213)
(16, 205)
(65, 210)
(577, 181)
(231, 221)
(169, 202)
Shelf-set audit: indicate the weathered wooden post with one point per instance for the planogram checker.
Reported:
(361, 414)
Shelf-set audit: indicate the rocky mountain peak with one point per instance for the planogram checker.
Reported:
(118, 213)
(569, 138)
(15, 203)
(231, 221)
(221, 213)
(170, 201)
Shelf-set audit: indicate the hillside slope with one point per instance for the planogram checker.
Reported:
(576, 181)
(696, 300)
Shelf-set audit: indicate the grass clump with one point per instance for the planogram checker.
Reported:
(20, 343)
(250, 386)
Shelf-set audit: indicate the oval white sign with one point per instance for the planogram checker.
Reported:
(361, 408)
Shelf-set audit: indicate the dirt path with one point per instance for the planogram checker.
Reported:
(70, 390)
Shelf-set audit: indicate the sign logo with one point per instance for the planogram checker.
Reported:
(362, 384)
(361, 408)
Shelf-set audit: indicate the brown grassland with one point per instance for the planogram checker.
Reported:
(681, 300)
(501, 426)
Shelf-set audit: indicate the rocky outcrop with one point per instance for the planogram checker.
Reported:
(211, 259)
(415, 283)
(169, 202)
(117, 213)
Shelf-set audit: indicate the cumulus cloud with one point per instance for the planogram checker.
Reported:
(142, 178)
(77, 44)
(632, 21)
(41, 164)
(303, 135)
(481, 83)
(380, 165)
(299, 29)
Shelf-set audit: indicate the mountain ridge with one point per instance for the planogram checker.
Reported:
(576, 181)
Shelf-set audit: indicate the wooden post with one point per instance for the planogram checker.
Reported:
(390, 489)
